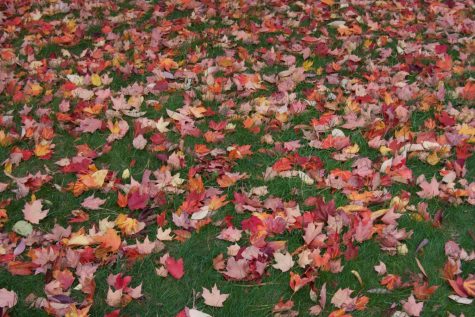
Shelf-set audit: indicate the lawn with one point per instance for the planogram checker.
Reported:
(237, 158)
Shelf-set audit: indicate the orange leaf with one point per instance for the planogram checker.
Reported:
(121, 200)
(20, 268)
(339, 313)
(424, 291)
(445, 64)
(110, 240)
(391, 281)
(284, 164)
(226, 181)
(196, 185)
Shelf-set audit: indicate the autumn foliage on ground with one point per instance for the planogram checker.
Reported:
(237, 158)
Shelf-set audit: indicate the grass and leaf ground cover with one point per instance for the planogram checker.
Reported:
(237, 158)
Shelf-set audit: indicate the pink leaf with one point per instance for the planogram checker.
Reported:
(214, 298)
(33, 213)
(342, 298)
(413, 308)
(236, 269)
(283, 261)
(93, 203)
(230, 234)
(89, 125)
(114, 297)
(380, 268)
(8, 298)
(429, 190)
(139, 142)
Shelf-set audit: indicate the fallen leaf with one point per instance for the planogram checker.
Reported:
(283, 261)
(214, 298)
(33, 211)
(412, 308)
(8, 299)
(175, 267)
(93, 203)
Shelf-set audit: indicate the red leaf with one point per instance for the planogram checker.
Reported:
(175, 267)
(137, 201)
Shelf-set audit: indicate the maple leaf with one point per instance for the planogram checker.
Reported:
(412, 308)
(114, 298)
(391, 281)
(214, 298)
(33, 213)
(162, 125)
(175, 267)
(93, 203)
(145, 247)
(164, 235)
(363, 230)
(89, 125)
(429, 190)
(297, 281)
(128, 225)
(342, 298)
(8, 299)
(283, 261)
(230, 234)
(139, 142)
(390, 217)
(236, 269)
(110, 240)
(136, 200)
(311, 232)
(424, 291)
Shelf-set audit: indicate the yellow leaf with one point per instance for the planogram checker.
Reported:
(8, 167)
(35, 89)
(198, 111)
(5, 139)
(96, 80)
(282, 117)
(378, 213)
(384, 150)
(126, 174)
(42, 149)
(352, 208)
(387, 99)
(79, 240)
(128, 225)
(353, 149)
(465, 129)
(358, 277)
(328, 2)
(113, 127)
(307, 65)
(168, 63)
(99, 177)
(403, 133)
(433, 159)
